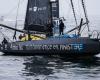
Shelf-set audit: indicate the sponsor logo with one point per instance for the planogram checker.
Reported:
(35, 9)
(67, 47)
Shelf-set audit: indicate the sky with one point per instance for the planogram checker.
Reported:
(8, 7)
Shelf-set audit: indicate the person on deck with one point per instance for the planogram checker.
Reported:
(23, 37)
(20, 37)
(4, 41)
(61, 27)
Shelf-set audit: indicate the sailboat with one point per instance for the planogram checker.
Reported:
(38, 14)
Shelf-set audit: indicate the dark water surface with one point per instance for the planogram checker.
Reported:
(48, 68)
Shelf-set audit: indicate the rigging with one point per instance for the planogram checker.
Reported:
(74, 11)
(5, 36)
(12, 10)
(14, 37)
(85, 12)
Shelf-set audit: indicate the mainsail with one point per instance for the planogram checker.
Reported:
(38, 13)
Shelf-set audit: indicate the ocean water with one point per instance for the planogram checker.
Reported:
(46, 67)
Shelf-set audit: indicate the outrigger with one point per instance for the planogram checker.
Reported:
(38, 13)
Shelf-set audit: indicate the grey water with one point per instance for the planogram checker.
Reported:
(49, 68)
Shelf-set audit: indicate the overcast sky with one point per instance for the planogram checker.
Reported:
(93, 6)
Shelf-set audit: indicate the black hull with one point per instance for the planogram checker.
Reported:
(29, 53)
(54, 46)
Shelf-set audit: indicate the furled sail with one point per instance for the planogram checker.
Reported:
(38, 13)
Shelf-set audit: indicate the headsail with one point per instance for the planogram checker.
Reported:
(38, 13)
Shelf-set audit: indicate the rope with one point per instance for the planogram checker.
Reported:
(14, 37)
(95, 34)
(85, 12)
(5, 36)
(74, 11)
(7, 15)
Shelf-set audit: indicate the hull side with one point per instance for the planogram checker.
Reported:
(57, 46)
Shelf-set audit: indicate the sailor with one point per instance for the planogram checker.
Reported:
(23, 37)
(20, 37)
(61, 27)
(4, 41)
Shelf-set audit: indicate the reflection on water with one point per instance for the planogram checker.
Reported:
(48, 68)
(51, 68)
(37, 66)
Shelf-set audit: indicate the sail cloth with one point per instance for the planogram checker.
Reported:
(38, 13)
